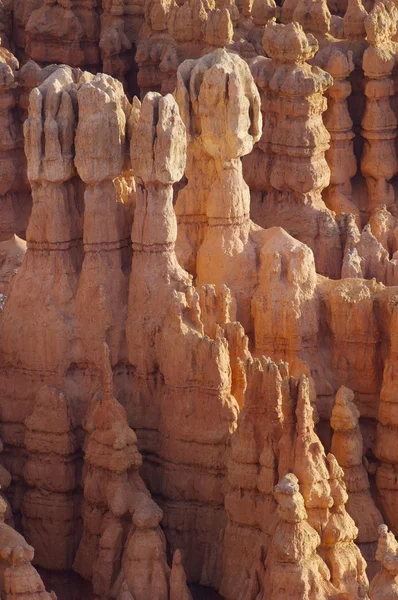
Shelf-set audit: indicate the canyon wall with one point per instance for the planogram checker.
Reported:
(198, 297)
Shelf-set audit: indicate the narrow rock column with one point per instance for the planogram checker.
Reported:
(158, 155)
(15, 198)
(293, 104)
(379, 124)
(102, 163)
(227, 255)
(39, 348)
(219, 30)
(122, 545)
(262, 12)
(347, 447)
(260, 450)
(19, 580)
(385, 584)
(324, 494)
(386, 449)
(341, 554)
(164, 312)
(314, 17)
(310, 462)
(116, 54)
(157, 53)
(200, 173)
(51, 502)
(285, 307)
(354, 20)
(293, 567)
(228, 249)
(55, 227)
(178, 580)
(340, 156)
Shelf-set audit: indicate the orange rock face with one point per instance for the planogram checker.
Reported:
(198, 301)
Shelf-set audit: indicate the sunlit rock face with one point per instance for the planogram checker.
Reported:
(198, 301)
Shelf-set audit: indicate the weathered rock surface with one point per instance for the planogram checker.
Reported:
(122, 550)
(51, 503)
(197, 337)
(347, 446)
(19, 579)
(385, 584)
(291, 152)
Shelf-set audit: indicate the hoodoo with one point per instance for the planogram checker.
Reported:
(198, 299)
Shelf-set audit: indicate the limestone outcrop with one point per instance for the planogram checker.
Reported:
(122, 550)
(167, 310)
(19, 579)
(261, 450)
(379, 122)
(102, 163)
(347, 447)
(293, 567)
(384, 585)
(198, 298)
(175, 31)
(227, 86)
(96, 35)
(294, 134)
(51, 504)
(14, 192)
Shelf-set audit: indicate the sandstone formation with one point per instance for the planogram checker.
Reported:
(94, 34)
(102, 163)
(19, 579)
(340, 156)
(271, 440)
(5, 482)
(198, 298)
(386, 427)
(122, 550)
(226, 86)
(325, 497)
(292, 572)
(12, 251)
(343, 557)
(347, 446)
(167, 310)
(56, 245)
(14, 195)
(253, 469)
(294, 134)
(379, 122)
(51, 503)
(385, 583)
(173, 32)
